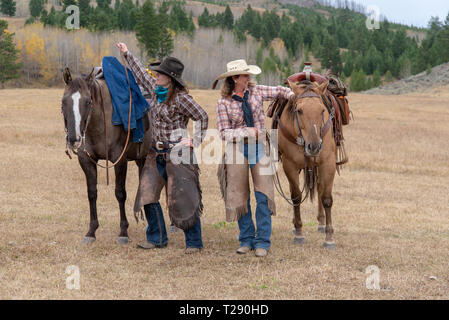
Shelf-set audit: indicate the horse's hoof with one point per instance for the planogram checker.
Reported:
(299, 240)
(123, 240)
(88, 240)
(329, 245)
(322, 229)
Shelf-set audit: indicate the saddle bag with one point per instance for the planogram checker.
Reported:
(339, 90)
(344, 109)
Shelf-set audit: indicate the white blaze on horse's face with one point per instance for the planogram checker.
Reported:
(76, 112)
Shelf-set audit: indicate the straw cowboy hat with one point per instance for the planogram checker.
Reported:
(237, 67)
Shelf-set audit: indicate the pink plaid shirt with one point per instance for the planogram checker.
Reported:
(230, 122)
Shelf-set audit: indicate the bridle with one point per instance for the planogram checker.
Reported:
(91, 103)
(300, 141)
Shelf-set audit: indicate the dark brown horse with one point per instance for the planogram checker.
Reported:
(87, 103)
(306, 143)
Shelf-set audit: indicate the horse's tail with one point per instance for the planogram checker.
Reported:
(310, 182)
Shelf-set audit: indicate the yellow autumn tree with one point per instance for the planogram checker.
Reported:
(49, 69)
(35, 54)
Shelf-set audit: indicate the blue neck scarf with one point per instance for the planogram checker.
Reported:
(161, 94)
(246, 108)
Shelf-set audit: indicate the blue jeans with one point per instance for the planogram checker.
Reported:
(249, 236)
(253, 152)
(157, 232)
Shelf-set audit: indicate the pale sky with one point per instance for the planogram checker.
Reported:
(411, 12)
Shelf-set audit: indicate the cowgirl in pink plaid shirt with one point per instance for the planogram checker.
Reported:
(240, 121)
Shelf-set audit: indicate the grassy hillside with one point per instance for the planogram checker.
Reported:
(278, 35)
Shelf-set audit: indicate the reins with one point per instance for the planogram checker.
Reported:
(83, 139)
(299, 140)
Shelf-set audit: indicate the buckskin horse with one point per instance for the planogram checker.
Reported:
(306, 142)
(87, 111)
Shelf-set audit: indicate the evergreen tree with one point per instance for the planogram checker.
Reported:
(247, 18)
(165, 45)
(51, 17)
(85, 11)
(190, 26)
(239, 32)
(152, 32)
(8, 7)
(228, 19)
(177, 18)
(358, 81)
(388, 76)
(36, 7)
(399, 43)
(164, 8)
(102, 4)
(30, 20)
(204, 18)
(255, 29)
(369, 83)
(330, 55)
(269, 65)
(9, 55)
(66, 3)
(377, 80)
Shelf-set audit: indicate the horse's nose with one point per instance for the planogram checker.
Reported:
(72, 139)
(312, 148)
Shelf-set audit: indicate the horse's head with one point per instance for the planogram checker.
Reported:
(76, 104)
(308, 111)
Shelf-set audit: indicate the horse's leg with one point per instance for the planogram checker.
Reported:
(321, 217)
(90, 171)
(326, 177)
(295, 192)
(120, 194)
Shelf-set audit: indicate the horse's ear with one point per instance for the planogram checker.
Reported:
(292, 85)
(323, 87)
(66, 76)
(90, 78)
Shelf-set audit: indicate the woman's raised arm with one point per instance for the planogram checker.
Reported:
(140, 73)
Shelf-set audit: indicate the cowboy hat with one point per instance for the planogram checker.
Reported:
(238, 67)
(171, 67)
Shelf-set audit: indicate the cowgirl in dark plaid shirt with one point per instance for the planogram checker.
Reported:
(171, 109)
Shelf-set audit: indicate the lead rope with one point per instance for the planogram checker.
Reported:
(278, 185)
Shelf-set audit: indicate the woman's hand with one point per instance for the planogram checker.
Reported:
(123, 48)
(187, 142)
(253, 132)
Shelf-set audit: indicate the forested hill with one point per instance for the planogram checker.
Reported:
(277, 35)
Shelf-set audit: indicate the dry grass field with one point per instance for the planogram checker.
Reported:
(390, 210)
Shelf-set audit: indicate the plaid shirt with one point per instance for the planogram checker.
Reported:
(230, 122)
(169, 122)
